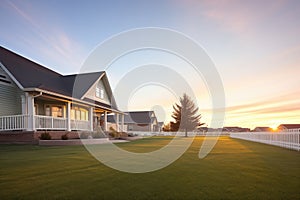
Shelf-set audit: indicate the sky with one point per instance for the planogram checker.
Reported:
(254, 45)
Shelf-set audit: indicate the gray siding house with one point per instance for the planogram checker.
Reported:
(289, 127)
(144, 121)
(33, 97)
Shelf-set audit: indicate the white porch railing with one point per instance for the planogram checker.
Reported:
(50, 123)
(23, 122)
(13, 122)
(290, 140)
(80, 125)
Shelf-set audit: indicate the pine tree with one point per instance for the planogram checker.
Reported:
(185, 115)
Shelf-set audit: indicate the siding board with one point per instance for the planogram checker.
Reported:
(10, 96)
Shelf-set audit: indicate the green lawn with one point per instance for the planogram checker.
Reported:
(235, 169)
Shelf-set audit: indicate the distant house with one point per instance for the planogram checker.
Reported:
(33, 97)
(262, 129)
(138, 121)
(235, 129)
(287, 127)
(160, 125)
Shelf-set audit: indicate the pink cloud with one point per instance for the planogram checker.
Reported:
(235, 16)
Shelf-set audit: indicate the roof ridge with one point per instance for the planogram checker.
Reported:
(99, 72)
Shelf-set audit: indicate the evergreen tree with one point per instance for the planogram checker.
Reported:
(186, 115)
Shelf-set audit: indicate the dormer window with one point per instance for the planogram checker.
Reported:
(99, 91)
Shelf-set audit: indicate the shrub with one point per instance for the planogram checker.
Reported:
(113, 133)
(112, 129)
(64, 136)
(123, 135)
(118, 135)
(45, 136)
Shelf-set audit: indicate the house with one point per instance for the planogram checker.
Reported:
(262, 129)
(35, 98)
(235, 129)
(160, 126)
(289, 127)
(137, 121)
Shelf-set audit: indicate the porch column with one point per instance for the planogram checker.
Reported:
(105, 121)
(69, 116)
(122, 123)
(117, 122)
(30, 112)
(24, 106)
(91, 114)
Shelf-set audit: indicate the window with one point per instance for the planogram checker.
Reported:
(97, 91)
(54, 111)
(83, 115)
(79, 114)
(73, 114)
(47, 111)
(102, 94)
(100, 91)
(57, 111)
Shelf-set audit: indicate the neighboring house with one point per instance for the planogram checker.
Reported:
(235, 129)
(289, 127)
(262, 129)
(33, 97)
(138, 121)
(160, 126)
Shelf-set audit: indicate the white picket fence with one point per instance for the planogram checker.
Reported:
(290, 140)
(294, 130)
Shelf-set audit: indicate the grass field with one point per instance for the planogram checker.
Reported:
(235, 169)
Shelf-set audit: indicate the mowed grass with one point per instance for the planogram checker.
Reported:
(235, 169)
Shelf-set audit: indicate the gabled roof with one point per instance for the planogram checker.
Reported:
(289, 126)
(30, 75)
(139, 117)
(78, 84)
(135, 117)
(18, 66)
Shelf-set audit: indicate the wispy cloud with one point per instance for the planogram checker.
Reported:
(280, 103)
(236, 16)
(53, 43)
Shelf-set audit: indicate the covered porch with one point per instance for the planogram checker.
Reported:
(45, 112)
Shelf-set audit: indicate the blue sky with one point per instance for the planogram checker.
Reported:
(255, 46)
